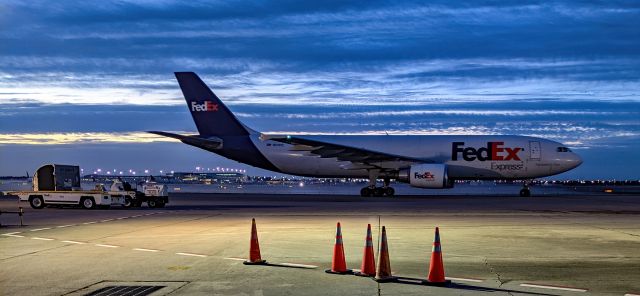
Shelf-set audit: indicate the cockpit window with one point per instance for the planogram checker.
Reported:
(563, 149)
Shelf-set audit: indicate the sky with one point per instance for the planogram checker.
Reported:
(81, 81)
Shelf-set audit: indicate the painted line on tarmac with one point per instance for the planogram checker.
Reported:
(106, 246)
(39, 229)
(13, 234)
(298, 265)
(42, 238)
(235, 258)
(106, 220)
(464, 279)
(63, 226)
(191, 254)
(87, 223)
(145, 250)
(572, 289)
(73, 242)
(631, 294)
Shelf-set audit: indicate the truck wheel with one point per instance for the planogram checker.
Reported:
(36, 202)
(87, 203)
(128, 202)
(152, 203)
(160, 204)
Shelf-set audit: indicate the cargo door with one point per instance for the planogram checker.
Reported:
(534, 150)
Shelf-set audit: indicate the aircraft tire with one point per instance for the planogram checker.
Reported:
(379, 191)
(366, 192)
(389, 191)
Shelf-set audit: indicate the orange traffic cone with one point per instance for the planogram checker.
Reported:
(436, 267)
(368, 267)
(338, 263)
(383, 274)
(254, 250)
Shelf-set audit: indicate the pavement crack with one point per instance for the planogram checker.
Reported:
(498, 276)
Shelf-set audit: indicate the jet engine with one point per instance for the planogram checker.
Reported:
(426, 175)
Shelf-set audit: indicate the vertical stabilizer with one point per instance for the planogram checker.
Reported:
(211, 116)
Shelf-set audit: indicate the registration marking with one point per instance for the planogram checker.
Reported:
(146, 250)
(554, 287)
(464, 279)
(73, 242)
(191, 254)
(106, 246)
(42, 238)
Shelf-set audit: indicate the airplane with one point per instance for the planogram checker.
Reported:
(424, 161)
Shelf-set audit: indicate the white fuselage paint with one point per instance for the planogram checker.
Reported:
(536, 157)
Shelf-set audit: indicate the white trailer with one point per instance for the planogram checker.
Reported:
(55, 184)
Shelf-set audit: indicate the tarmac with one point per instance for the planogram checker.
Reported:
(492, 245)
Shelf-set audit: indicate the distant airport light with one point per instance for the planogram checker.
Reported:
(99, 170)
(301, 184)
(160, 171)
(120, 173)
(172, 172)
(108, 173)
(146, 171)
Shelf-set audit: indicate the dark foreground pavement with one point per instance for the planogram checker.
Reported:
(560, 245)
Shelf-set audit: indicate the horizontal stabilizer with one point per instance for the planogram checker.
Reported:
(208, 143)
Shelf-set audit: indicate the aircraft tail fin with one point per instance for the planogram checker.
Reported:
(211, 116)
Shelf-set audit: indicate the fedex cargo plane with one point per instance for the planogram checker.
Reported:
(421, 160)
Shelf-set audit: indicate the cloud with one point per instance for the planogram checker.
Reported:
(80, 138)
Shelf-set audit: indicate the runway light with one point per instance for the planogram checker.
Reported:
(120, 173)
(146, 171)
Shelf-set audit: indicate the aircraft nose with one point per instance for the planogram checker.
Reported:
(575, 160)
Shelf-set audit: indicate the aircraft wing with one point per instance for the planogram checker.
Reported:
(359, 157)
(209, 143)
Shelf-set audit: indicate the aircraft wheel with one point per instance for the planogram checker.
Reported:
(389, 191)
(379, 191)
(366, 192)
(525, 192)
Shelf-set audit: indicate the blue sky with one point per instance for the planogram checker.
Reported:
(80, 81)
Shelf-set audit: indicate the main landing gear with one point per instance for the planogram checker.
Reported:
(372, 190)
(525, 191)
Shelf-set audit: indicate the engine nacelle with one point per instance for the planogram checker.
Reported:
(426, 175)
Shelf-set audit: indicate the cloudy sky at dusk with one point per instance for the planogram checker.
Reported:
(80, 81)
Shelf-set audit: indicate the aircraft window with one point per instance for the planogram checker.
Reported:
(563, 149)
